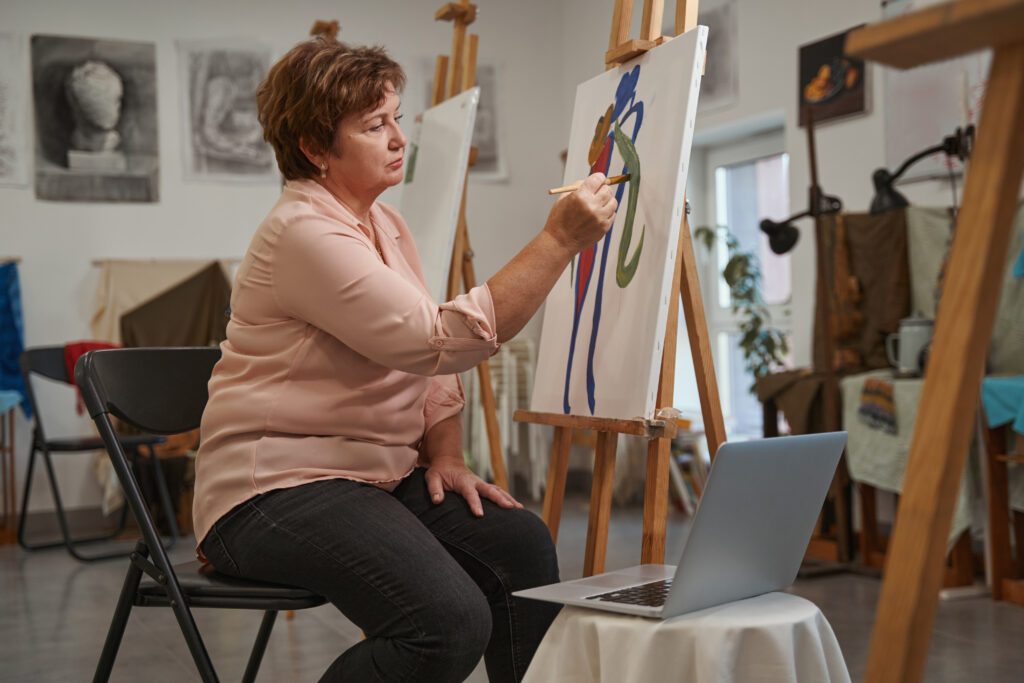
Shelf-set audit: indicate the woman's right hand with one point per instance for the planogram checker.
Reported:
(580, 218)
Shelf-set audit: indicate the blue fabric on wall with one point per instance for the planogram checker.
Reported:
(1018, 268)
(12, 334)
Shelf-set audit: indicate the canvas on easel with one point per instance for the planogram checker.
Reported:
(604, 322)
(434, 180)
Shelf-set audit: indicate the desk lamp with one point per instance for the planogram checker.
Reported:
(887, 198)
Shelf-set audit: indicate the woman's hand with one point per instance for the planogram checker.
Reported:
(451, 474)
(582, 217)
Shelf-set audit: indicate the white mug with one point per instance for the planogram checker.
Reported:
(914, 335)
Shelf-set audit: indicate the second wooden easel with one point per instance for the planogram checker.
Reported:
(659, 431)
(451, 77)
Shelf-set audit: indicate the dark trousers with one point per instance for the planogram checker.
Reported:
(429, 585)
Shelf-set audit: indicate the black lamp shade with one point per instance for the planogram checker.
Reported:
(781, 236)
(886, 198)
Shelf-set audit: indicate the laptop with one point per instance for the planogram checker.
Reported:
(748, 537)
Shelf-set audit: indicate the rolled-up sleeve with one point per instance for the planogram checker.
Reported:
(445, 399)
(328, 275)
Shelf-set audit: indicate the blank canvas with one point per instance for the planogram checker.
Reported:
(434, 178)
(604, 321)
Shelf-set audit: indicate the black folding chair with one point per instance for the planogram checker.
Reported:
(48, 361)
(163, 391)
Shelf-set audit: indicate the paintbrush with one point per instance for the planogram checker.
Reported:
(614, 180)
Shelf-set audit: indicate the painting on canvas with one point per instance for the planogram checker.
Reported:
(223, 138)
(604, 321)
(96, 124)
(435, 174)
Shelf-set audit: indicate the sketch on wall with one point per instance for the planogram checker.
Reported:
(435, 175)
(719, 86)
(96, 123)
(604, 321)
(925, 104)
(13, 105)
(222, 137)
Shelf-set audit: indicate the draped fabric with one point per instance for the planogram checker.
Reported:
(190, 313)
(12, 335)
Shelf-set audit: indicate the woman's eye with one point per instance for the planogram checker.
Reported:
(399, 117)
(379, 126)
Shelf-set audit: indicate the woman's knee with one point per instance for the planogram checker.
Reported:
(457, 631)
(536, 562)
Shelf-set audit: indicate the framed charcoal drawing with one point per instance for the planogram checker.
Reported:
(96, 122)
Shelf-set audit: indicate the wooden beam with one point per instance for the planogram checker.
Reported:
(558, 468)
(469, 70)
(622, 18)
(686, 15)
(650, 24)
(627, 51)
(939, 32)
(440, 74)
(914, 566)
(637, 427)
(455, 11)
(600, 503)
(700, 342)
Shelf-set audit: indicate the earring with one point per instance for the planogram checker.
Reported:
(323, 169)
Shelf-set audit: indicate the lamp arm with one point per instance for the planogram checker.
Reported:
(914, 159)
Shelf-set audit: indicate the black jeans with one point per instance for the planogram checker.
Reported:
(430, 585)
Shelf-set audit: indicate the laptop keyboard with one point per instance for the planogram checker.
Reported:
(648, 594)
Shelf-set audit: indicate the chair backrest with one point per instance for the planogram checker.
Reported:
(157, 390)
(47, 361)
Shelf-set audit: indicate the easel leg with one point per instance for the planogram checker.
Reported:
(601, 503)
(558, 467)
(652, 549)
(491, 422)
(915, 561)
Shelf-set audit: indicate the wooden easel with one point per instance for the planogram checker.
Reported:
(452, 77)
(659, 432)
(914, 566)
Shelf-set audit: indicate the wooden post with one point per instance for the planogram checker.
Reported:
(460, 77)
(914, 565)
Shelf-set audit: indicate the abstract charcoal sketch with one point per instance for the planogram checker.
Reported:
(625, 112)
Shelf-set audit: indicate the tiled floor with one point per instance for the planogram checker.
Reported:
(55, 613)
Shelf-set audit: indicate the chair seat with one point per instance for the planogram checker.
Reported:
(91, 443)
(206, 587)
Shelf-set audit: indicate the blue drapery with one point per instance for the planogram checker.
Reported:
(12, 334)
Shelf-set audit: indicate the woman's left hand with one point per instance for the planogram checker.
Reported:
(451, 474)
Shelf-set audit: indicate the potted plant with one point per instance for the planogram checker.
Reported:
(764, 346)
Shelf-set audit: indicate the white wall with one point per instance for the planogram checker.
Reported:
(57, 241)
(542, 50)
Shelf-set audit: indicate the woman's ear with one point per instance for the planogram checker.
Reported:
(315, 158)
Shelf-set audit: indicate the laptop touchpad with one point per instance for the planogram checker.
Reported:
(612, 580)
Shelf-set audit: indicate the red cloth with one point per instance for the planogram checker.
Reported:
(75, 350)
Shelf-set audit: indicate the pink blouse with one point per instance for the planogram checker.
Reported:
(336, 362)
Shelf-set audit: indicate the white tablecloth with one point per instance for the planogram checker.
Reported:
(773, 637)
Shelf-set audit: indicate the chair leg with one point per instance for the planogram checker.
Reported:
(191, 632)
(119, 620)
(260, 646)
(66, 540)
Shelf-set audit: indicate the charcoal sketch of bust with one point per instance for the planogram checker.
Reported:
(94, 92)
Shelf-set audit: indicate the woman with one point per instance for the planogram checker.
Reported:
(337, 380)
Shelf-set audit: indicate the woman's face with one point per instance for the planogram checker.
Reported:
(369, 148)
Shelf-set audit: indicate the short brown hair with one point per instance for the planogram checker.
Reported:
(311, 89)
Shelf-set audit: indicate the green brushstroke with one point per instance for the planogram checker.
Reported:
(410, 163)
(624, 272)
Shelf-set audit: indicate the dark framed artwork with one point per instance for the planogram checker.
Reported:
(831, 82)
(96, 123)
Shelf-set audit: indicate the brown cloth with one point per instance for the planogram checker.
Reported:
(875, 249)
(797, 393)
(192, 313)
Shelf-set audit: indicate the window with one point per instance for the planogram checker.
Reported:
(745, 182)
